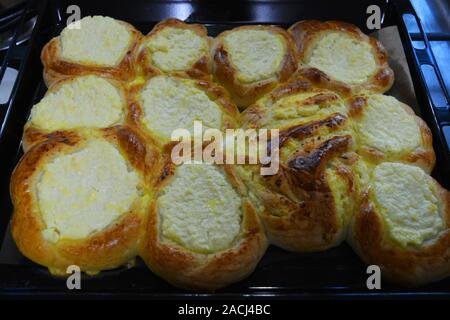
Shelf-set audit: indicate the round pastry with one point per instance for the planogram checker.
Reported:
(403, 225)
(203, 232)
(250, 60)
(340, 53)
(99, 44)
(165, 103)
(308, 202)
(88, 101)
(176, 47)
(83, 199)
(388, 130)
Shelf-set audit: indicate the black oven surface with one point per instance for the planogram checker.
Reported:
(336, 273)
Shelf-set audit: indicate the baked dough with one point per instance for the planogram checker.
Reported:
(308, 203)
(295, 102)
(339, 52)
(176, 47)
(203, 231)
(100, 44)
(165, 103)
(96, 186)
(388, 130)
(250, 60)
(403, 225)
(82, 199)
(77, 102)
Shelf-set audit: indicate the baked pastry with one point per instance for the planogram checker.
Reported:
(176, 47)
(294, 102)
(100, 44)
(203, 232)
(403, 225)
(96, 187)
(339, 52)
(165, 103)
(82, 199)
(309, 201)
(388, 130)
(249, 61)
(87, 101)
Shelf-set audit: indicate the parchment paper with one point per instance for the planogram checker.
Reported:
(403, 88)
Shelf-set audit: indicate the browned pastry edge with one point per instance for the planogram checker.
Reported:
(245, 94)
(56, 68)
(185, 268)
(199, 70)
(106, 249)
(408, 266)
(304, 34)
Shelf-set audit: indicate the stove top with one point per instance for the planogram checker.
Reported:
(12, 30)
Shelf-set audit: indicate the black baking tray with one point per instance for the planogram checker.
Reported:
(336, 273)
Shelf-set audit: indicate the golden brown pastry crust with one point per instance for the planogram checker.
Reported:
(185, 268)
(106, 249)
(215, 92)
(408, 266)
(300, 210)
(245, 94)
(423, 156)
(199, 70)
(56, 68)
(255, 114)
(33, 135)
(301, 213)
(305, 33)
(320, 79)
